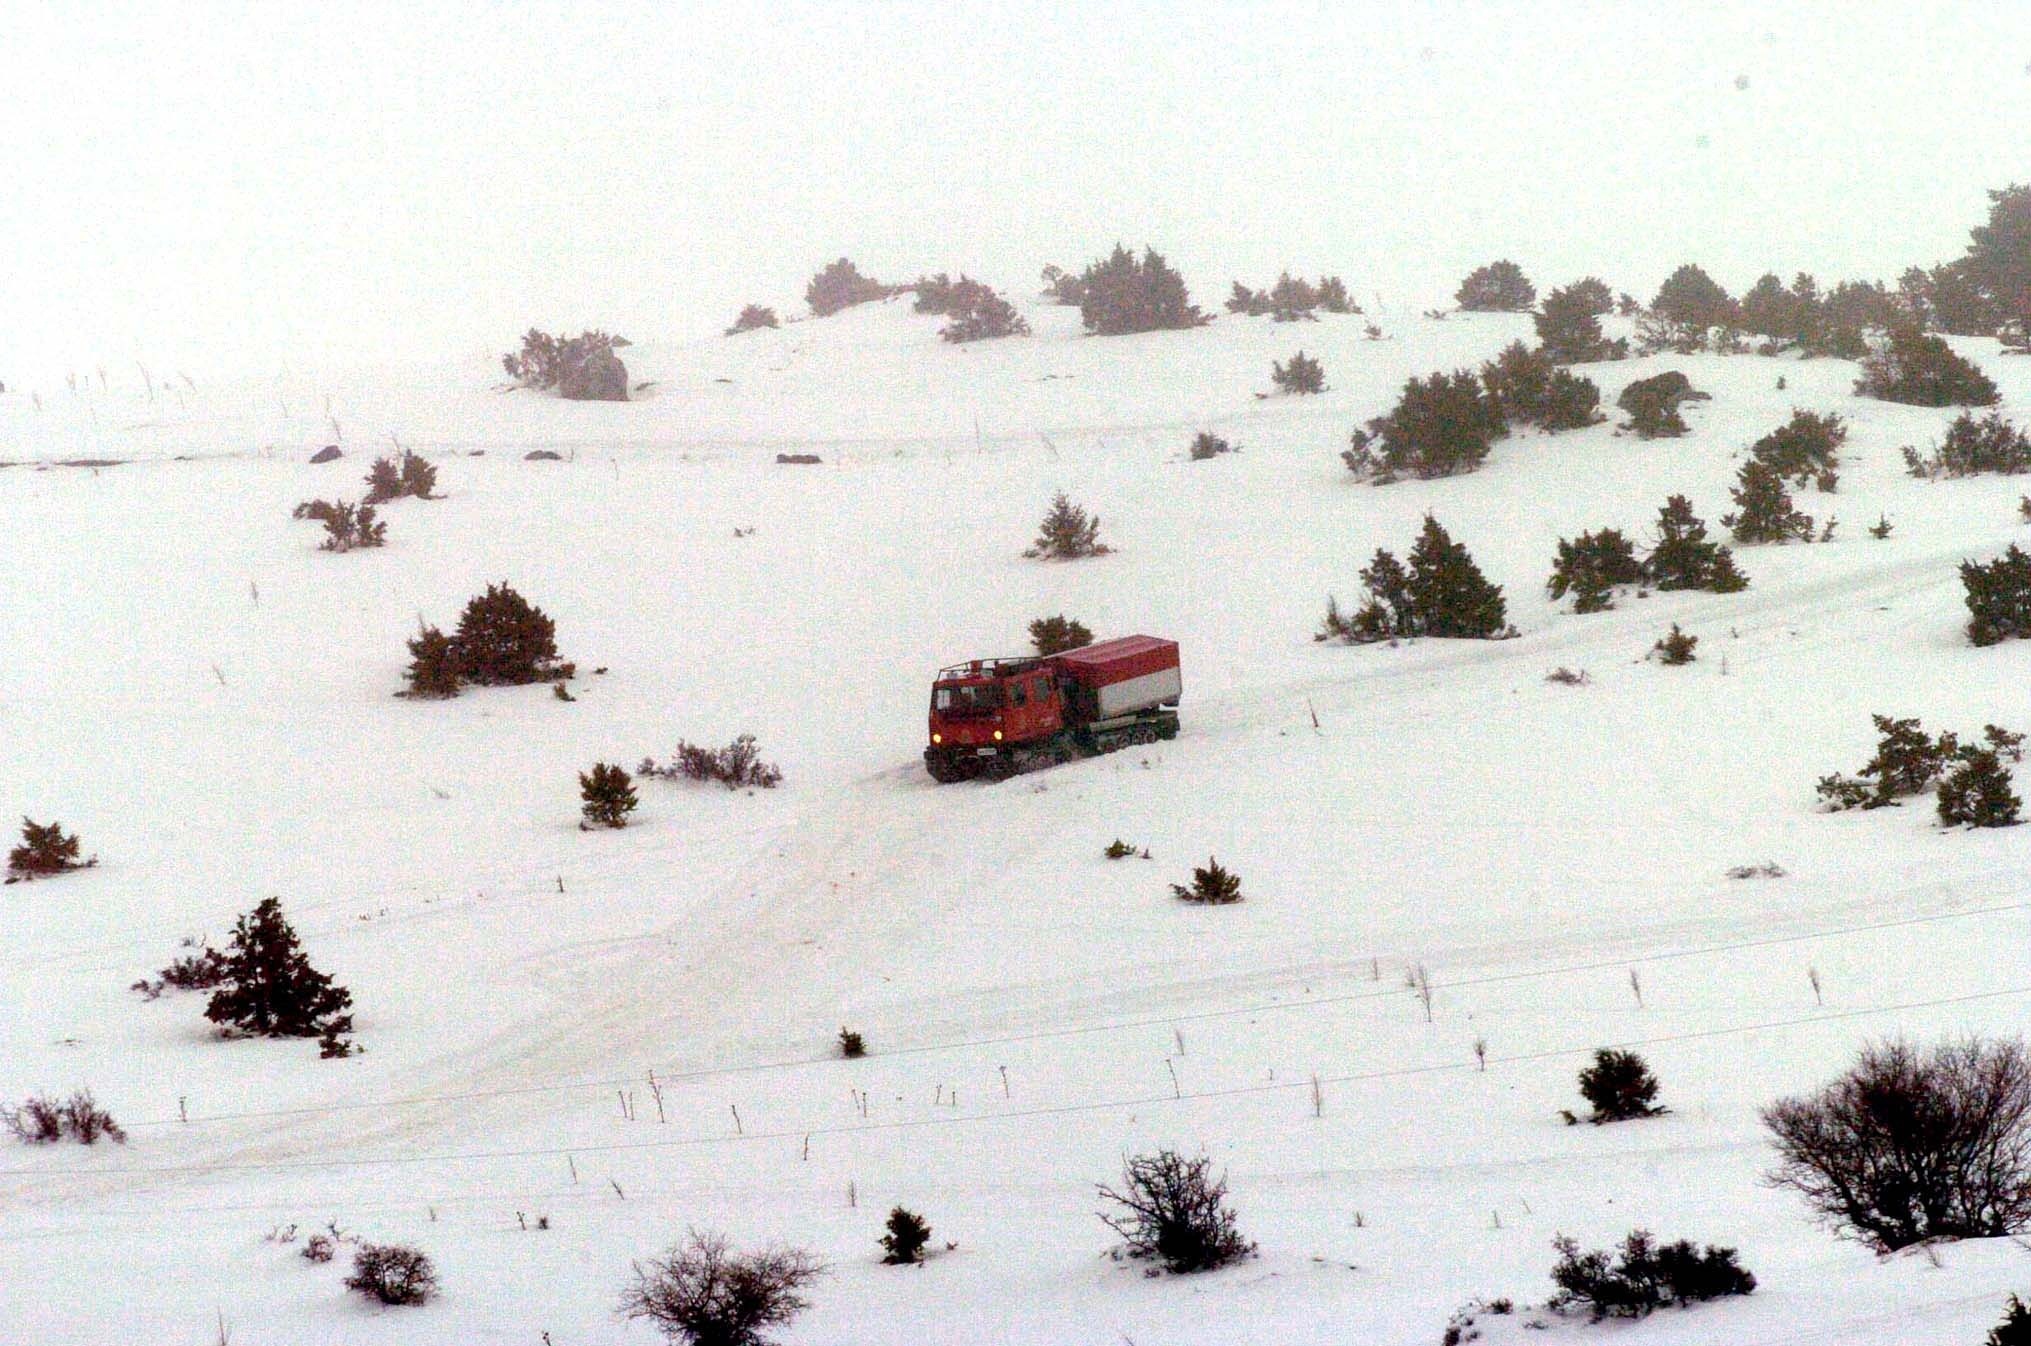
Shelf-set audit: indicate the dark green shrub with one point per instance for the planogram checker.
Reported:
(1653, 404)
(433, 665)
(505, 640)
(1442, 426)
(1591, 567)
(1972, 446)
(1302, 375)
(1054, 635)
(1923, 371)
(1619, 1087)
(1805, 449)
(841, 286)
(45, 849)
(851, 1045)
(1645, 1277)
(1123, 294)
(752, 318)
(1213, 885)
(1975, 791)
(1499, 287)
(1998, 597)
(903, 1244)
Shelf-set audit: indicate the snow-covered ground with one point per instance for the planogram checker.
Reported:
(208, 700)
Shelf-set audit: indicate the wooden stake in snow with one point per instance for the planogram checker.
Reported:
(1812, 975)
(1481, 1053)
(736, 1121)
(1004, 1082)
(1318, 1097)
(1176, 1092)
(1636, 986)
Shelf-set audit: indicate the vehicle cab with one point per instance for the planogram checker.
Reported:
(986, 708)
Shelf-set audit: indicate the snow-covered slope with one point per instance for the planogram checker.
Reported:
(208, 700)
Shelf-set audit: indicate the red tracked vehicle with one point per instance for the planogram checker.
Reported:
(993, 718)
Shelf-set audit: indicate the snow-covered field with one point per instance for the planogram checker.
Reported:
(208, 700)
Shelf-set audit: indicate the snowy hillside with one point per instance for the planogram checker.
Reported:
(208, 701)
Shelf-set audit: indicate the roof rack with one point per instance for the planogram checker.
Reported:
(1006, 666)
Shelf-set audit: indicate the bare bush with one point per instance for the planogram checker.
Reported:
(1173, 1209)
(38, 1121)
(704, 1293)
(1914, 1143)
(43, 1120)
(392, 1273)
(739, 764)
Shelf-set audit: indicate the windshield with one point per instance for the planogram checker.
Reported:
(966, 698)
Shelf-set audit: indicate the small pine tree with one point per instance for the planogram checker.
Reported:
(504, 640)
(1682, 558)
(1448, 593)
(1054, 635)
(1569, 329)
(904, 1244)
(1619, 1087)
(433, 665)
(1998, 597)
(1570, 403)
(1675, 647)
(419, 476)
(1302, 375)
(1591, 567)
(1691, 298)
(1975, 791)
(45, 849)
(1206, 445)
(1067, 533)
(851, 1045)
(270, 988)
(1763, 511)
(1214, 885)
(1499, 287)
(609, 795)
(979, 314)
(384, 481)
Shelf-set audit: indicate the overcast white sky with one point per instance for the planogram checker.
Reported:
(218, 187)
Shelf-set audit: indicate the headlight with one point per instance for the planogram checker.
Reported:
(937, 738)
(997, 736)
